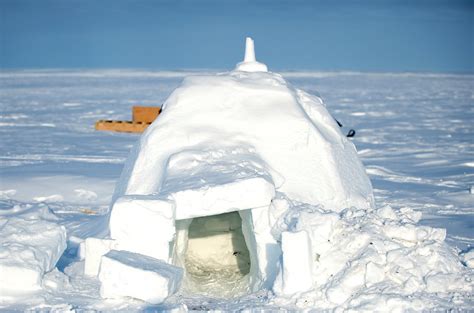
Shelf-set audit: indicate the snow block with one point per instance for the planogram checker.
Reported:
(212, 182)
(264, 249)
(94, 250)
(143, 224)
(212, 200)
(28, 249)
(127, 274)
(297, 274)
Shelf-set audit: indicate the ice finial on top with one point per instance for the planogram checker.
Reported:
(249, 50)
(250, 64)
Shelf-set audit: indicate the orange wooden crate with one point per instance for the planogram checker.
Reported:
(145, 114)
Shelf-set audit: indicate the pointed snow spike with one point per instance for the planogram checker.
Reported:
(250, 64)
(249, 50)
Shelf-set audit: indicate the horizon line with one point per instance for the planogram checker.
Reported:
(123, 71)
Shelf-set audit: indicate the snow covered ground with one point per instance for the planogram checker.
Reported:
(414, 135)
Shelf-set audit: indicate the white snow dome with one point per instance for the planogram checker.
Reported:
(241, 124)
(208, 183)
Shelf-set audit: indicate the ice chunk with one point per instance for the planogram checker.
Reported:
(28, 249)
(387, 212)
(127, 274)
(410, 234)
(374, 273)
(468, 258)
(343, 288)
(297, 274)
(143, 224)
(440, 282)
(95, 248)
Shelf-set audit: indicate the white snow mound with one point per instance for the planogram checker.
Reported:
(29, 247)
(258, 115)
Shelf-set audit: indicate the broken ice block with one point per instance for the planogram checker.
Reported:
(127, 274)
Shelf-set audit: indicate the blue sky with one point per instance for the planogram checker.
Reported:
(382, 35)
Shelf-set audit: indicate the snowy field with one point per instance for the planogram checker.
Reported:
(415, 135)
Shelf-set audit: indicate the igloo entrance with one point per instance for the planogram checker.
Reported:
(214, 253)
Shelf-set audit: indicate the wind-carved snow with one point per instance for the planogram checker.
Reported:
(414, 134)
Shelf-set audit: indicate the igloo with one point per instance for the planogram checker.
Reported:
(208, 181)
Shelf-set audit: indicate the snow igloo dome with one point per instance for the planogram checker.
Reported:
(204, 194)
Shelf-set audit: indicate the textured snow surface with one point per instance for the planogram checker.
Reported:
(363, 259)
(414, 136)
(30, 246)
(288, 132)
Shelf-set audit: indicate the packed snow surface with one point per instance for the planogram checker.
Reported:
(412, 251)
